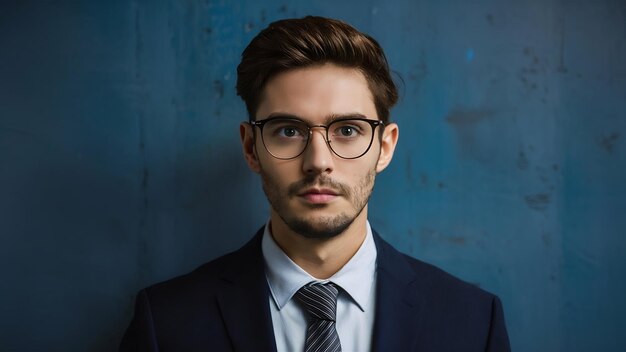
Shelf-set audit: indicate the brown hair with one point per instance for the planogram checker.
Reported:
(295, 43)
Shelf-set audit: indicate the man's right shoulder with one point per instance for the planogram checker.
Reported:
(205, 273)
(187, 311)
(213, 275)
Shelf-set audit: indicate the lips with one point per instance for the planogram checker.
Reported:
(319, 195)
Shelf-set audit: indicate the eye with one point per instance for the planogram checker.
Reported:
(347, 131)
(288, 132)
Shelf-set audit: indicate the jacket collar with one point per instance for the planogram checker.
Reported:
(244, 299)
(400, 296)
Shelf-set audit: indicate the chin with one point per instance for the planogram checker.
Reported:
(323, 228)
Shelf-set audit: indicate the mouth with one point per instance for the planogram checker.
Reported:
(318, 195)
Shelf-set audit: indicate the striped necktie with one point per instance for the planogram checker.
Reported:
(320, 303)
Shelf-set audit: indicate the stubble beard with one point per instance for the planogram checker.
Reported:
(319, 227)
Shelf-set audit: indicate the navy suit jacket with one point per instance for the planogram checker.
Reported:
(224, 306)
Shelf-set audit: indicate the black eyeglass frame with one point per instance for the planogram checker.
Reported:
(373, 123)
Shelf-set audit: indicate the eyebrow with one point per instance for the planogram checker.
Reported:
(327, 120)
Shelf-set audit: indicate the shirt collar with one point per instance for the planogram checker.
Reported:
(285, 277)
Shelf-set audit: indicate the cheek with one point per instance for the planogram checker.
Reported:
(357, 169)
(279, 173)
(359, 176)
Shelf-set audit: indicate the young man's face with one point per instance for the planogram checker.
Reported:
(318, 194)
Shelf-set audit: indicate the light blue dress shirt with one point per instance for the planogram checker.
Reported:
(355, 303)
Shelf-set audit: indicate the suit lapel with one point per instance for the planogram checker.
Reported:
(244, 300)
(400, 296)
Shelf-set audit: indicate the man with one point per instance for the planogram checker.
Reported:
(316, 277)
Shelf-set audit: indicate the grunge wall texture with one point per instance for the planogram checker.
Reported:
(120, 163)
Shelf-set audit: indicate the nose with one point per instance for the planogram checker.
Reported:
(318, 158)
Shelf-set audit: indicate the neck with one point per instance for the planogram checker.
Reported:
(320, 257)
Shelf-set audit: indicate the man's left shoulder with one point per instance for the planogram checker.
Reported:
(441, 287)
(447, 285)
(437, 305)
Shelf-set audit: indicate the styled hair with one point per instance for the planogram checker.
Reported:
(296, 43)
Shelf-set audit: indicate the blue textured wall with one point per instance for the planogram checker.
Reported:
(120, 162)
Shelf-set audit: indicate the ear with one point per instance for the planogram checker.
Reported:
(246, 133)
(387, 146)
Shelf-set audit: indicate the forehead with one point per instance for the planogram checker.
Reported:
(317, 93)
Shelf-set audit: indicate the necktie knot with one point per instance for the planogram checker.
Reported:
(320, 303)
(319, 300)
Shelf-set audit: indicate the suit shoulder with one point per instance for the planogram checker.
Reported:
(200, 280)
(448, 285)
(210, 276)
(429, 276)
(451, 305)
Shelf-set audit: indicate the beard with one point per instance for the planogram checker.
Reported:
(325, 226)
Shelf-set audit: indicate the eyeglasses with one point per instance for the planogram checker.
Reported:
(286, 138)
